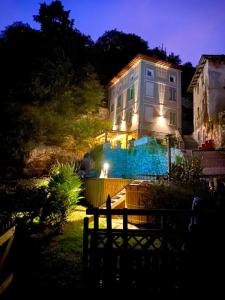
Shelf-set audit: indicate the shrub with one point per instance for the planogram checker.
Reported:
(186, 170)
(63, 193)
(168, 195)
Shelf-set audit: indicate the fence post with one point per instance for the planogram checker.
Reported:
(108, 261)
(109, 220)
(125, 227)
(85, 243)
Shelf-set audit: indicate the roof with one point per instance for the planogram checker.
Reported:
(200, 67)
(136, 59)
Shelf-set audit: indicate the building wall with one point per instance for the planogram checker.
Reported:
(209, 102)
(150, 110)
(200, 107)
(123, 112)
(156, 107)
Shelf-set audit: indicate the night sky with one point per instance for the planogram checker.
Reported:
(189, 28)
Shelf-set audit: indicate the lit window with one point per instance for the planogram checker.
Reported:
(172, 94)
(173, 120)
(130, 93)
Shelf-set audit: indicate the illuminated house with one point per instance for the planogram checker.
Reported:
(208, 87)
(145, 99)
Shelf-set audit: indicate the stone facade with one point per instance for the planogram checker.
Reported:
(208, 87)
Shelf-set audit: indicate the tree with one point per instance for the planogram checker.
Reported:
(70, 119)
(53, 18)
(187, 105)
(113, 50)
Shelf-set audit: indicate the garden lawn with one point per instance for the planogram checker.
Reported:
(61, 266)
(61, 256)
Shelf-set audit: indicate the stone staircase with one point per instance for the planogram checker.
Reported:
(118, 200)
(189, 142)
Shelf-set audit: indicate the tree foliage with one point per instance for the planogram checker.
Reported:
(52, 82)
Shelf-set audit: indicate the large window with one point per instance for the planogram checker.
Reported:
(172, 94)
(130, 93)
(148, 114)
(149, 89)
(119, 101)
(173, 118)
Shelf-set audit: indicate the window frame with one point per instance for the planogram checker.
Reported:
(130, 93)
(152, 72)
(173, 77)
(173, 118)
(172, 94)
(119, 101)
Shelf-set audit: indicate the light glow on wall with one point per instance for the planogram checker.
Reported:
(134, 119)
(161, 120)
(115, 127)
(123, 126)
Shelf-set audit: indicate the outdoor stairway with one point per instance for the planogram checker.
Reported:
(189, 142)
(120, 197)
(116, 200)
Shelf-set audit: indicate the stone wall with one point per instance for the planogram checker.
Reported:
(43, 157)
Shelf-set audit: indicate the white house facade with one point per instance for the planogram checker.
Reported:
(145, 98)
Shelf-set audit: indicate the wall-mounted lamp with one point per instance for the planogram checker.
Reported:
(105, 170)
(123, 125)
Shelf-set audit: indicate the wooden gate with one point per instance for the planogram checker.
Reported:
(154, 257)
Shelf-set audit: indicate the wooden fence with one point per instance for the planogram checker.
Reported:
(155, 257)
(97, 189)
(6, 264)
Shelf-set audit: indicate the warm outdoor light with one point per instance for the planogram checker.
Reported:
(115, 127)
(104, 171)
(134, 119)
(161, 120)
(123, 126)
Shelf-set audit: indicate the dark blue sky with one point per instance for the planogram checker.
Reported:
(189, 28)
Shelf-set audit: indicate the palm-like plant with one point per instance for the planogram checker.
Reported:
(64, 190)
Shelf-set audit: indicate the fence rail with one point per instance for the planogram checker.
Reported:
(6, 273)
(154, 256)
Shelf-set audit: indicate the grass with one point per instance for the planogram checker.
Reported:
(61, 256)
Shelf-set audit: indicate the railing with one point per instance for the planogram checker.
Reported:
(154, 257)
(151, 177)
(6, 265)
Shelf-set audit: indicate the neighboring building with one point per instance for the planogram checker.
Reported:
(208, 87)
(145, 99)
